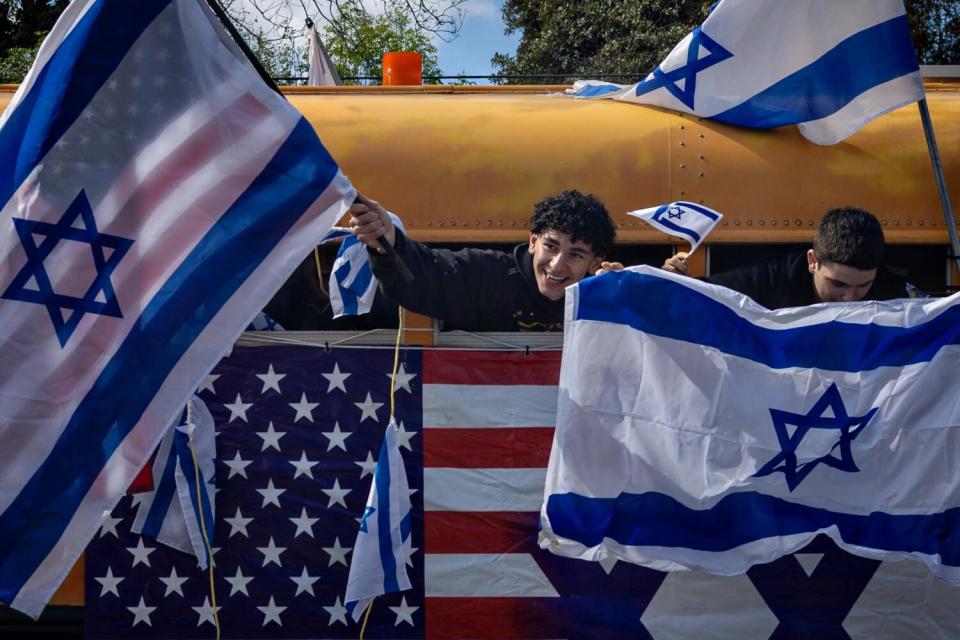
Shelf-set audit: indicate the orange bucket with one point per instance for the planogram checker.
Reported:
(402, 68)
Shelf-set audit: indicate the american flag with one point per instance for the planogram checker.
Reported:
(299, 430)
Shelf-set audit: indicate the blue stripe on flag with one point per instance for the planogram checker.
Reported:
(163, 495)
(679, 230)
(78, 68)
(384, 530)
(832, 81)
(669, 309)
(701, 210)
(656, 519)
(175, 317)
(189, 467)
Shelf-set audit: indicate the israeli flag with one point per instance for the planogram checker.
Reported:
(352, 285)
(154, 193)
(698, 430)
(686, 219)
(380, 555)
(830, 67)
(180, 511)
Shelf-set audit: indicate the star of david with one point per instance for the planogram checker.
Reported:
(367, 512)
(687, 74)
(674, 212)
(848, 428)
(32, 283)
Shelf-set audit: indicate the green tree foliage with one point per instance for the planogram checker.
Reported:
(595, 37)
(23, 24)
(936, 30)
(15, 64)
(358, 51)
(355, 33)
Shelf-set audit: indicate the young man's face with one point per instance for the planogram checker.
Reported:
(837, 282)
(558, 263)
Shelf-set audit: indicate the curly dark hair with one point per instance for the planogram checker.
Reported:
(581, 215)
(849, 236)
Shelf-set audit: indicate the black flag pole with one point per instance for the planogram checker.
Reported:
(948, 217)
(221, 14)
(232, 30)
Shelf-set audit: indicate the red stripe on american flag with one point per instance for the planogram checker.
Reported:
(503, 448)
(491, 367)
(480, 532)
(203, 145)
(493, 618)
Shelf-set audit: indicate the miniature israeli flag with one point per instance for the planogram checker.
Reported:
(379, 563)
(179, 512)
(830, 67)
(686, 219)
(696, 429)
(352, 284)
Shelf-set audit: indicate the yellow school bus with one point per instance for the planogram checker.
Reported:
(465, 164)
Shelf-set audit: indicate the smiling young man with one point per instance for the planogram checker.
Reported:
(844, 265)
(486, 290)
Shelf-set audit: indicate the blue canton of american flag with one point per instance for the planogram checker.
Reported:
(298, 432)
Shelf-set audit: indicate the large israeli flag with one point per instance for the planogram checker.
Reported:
(180, 511)
(696, 429)
(828, 66)
(380, 555)
(154, 193)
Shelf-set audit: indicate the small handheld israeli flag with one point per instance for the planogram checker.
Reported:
(686, 219)
(352, 284)
(379, 564)
(173, 511)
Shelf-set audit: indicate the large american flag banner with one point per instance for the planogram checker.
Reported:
(298, 432)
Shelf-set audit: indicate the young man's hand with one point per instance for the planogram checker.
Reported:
(677, 263)
(369, 221)
(609, 266)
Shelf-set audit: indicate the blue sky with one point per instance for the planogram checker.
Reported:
(481, 36)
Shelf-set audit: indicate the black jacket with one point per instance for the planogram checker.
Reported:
(786, 282)
(470, 289)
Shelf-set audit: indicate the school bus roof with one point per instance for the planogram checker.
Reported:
(466, 164)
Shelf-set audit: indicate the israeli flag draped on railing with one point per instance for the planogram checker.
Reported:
(180, 511)
(830, 67)
(379, 562)
(154, 193)
(352, 284)
(697, 429)
(687, 219)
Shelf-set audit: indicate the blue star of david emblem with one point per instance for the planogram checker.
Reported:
(848, 428)
(687, 74)
(674, 212)
(367, 512)
(32, 282)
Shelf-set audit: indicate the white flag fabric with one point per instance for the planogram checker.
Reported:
(696, 429)
(687, 219)
(352, 285)
(154, 193)
(171, 513)
(323, 72)
(379, 562)
(830, 67)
